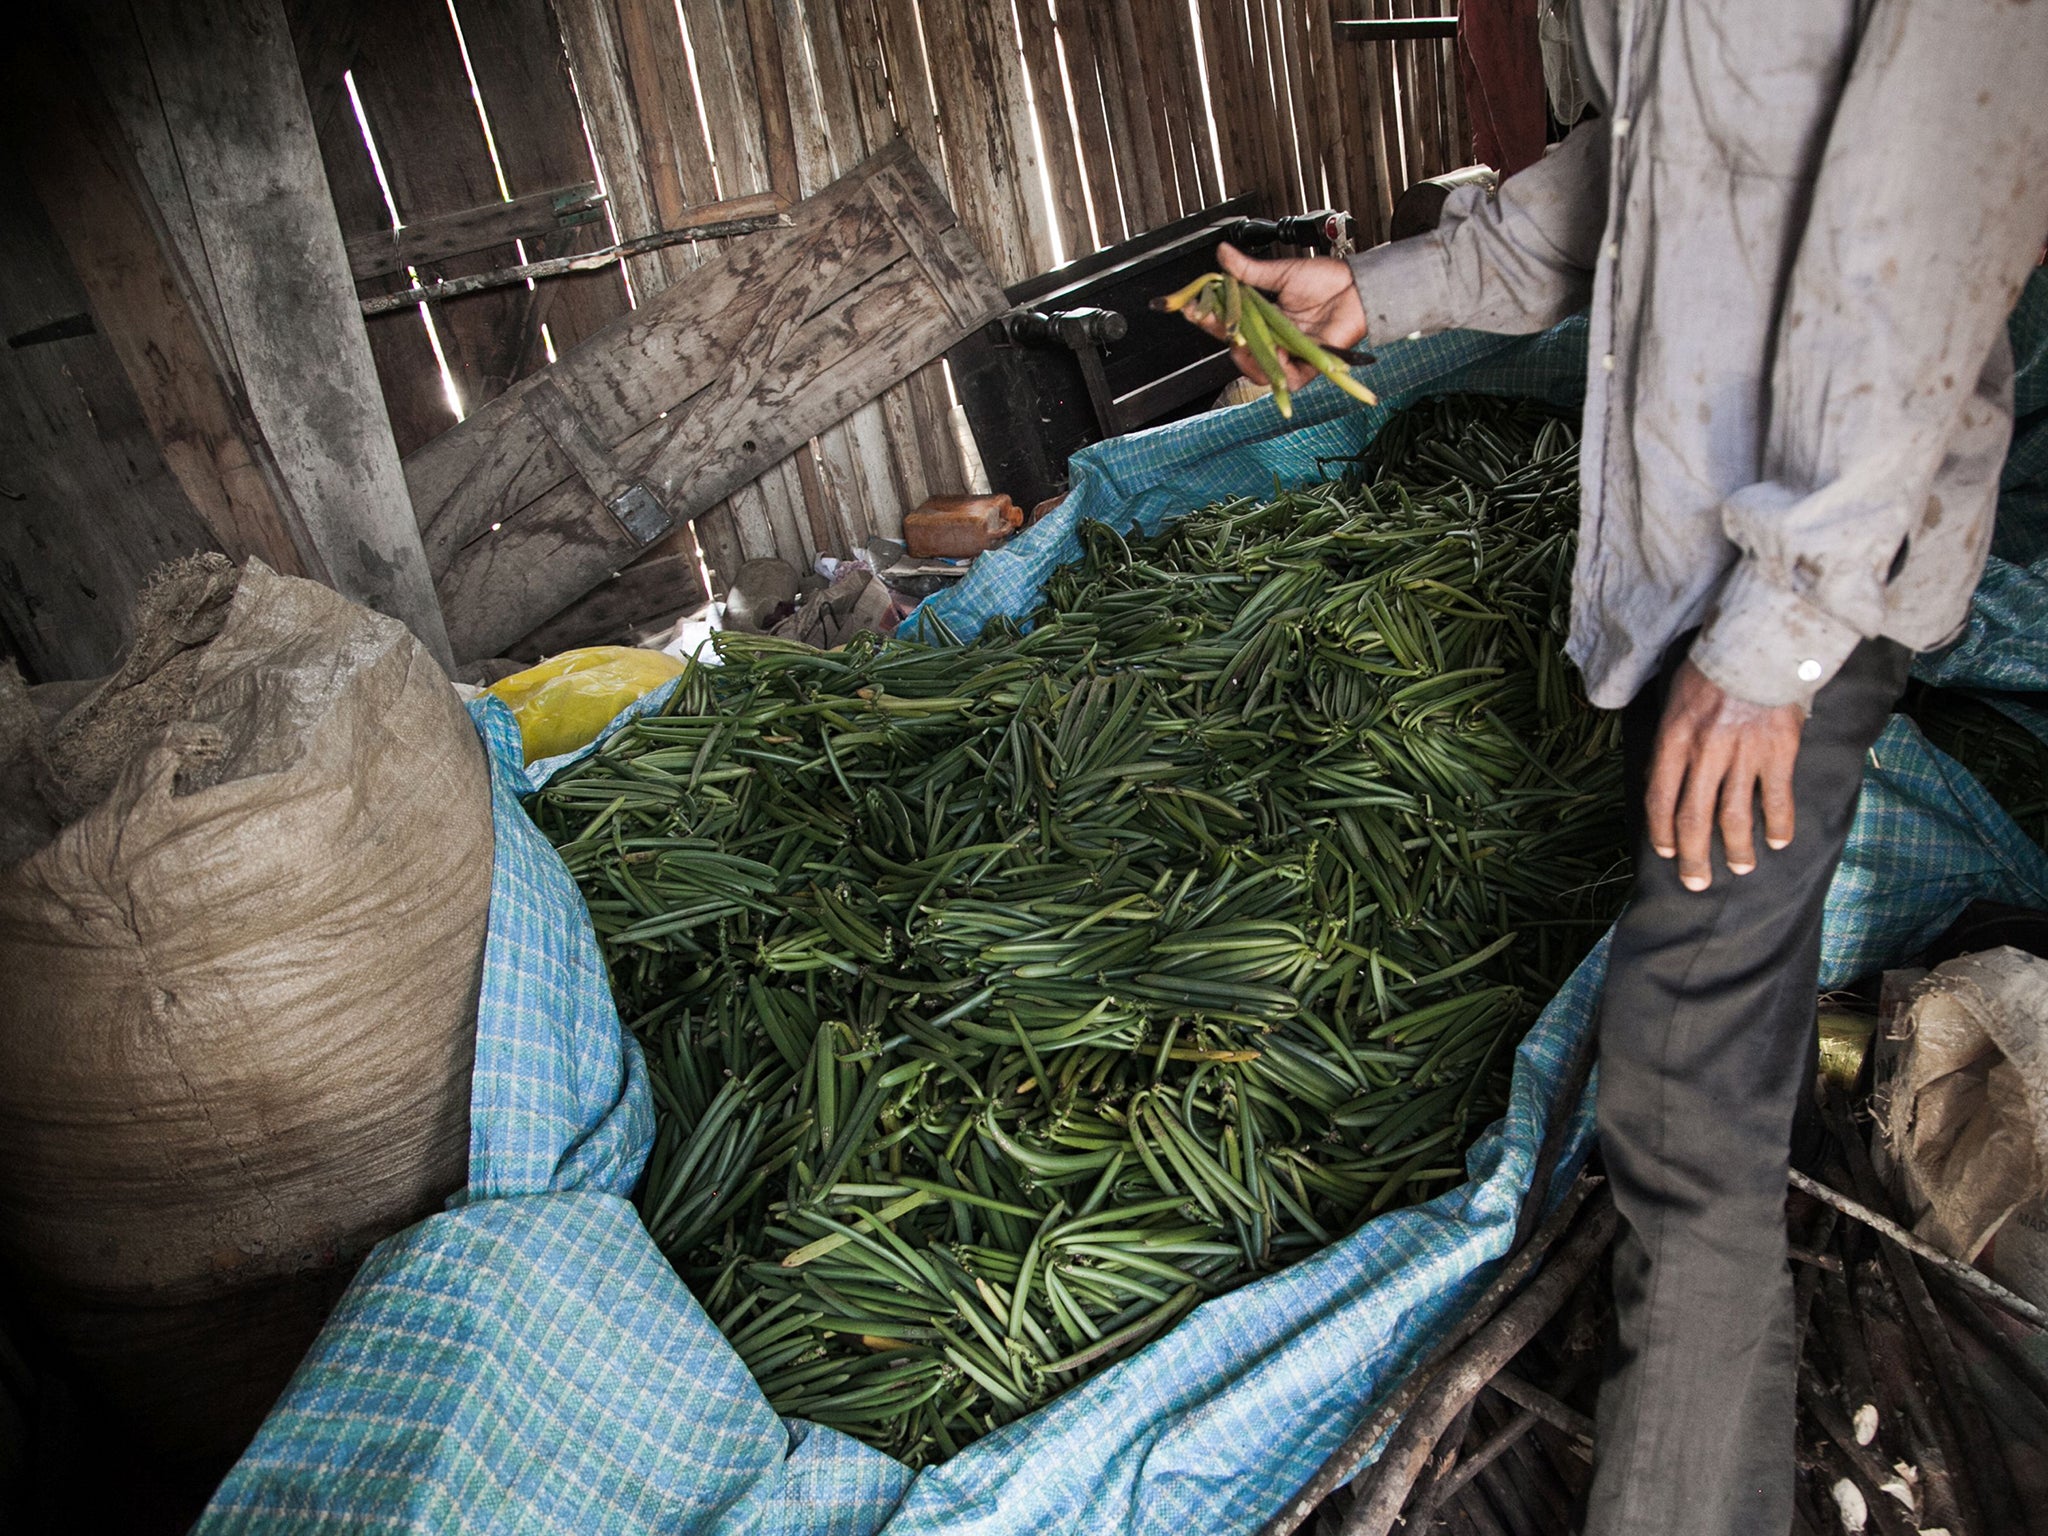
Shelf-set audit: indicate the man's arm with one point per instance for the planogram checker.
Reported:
(1929, 210)
(1930, 207)
(1515, 261)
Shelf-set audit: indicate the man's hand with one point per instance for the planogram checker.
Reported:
(1714, 752)
(1315, 292)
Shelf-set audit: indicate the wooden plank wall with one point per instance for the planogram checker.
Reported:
(1056, 126)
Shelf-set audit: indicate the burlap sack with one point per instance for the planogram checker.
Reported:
(237, 989)
(1962, 1097)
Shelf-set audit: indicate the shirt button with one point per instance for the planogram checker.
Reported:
(1607, 362)
(1613, 249)
(1809, 671)
(1621, 127)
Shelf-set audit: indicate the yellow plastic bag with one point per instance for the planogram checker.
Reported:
(563, 703)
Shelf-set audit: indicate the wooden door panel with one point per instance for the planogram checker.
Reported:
(661, 414)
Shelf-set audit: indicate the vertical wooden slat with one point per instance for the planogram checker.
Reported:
(1269, 73)
(1369, 200)
(904, 454)
(924, 393)
(1369, 90)
(884, 496)
(1428, 114)
(837, 479)
(1146, 108)
(1390, 102)
(821, 522)
(1248, 22)
(917, 114)
(855, 459)
(522, 75)
(1226, 89)
(981, 185)
(732, 103)
(1130, 129)
(1414, 116)
(769, 71)
(718, 535)
(789, 510)
(590, 29)
(1146, 56)
(1301, 86)
(416, 96)
(1336, 118)
(407, 372)
(847, 142)
(993, 34)
(1461, 124)
(1062, 154)
(754, 533)
(811, 131)
(597, 61)
(1076, 41)
(1183, 76)
(677, 160)
(909, 456)
(1301, 103)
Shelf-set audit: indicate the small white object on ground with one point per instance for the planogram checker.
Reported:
(1850, 1506)
(1865, 1423)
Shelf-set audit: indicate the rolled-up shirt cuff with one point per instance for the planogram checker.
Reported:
(1770, 646)
(1404, 288)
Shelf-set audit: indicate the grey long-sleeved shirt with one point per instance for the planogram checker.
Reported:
(1801, 225)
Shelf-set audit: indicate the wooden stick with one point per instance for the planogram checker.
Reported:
(1886, 1514)
(1527, 1395)
(1429, 1492)
(1967, 1309)
(1808, 1283)
(1345, 1461)
(1540, 1481)
(1505, 1491)
(587, 261)
(1814, 1258)
(1903, 1403)
(1865, 1467)
(1845, 1339)
(1960, 1272)
(1476, 1363)
(1488, 1453)
(1990, 1479)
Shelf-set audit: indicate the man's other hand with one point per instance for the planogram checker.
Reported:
(1714, 754)
(1315, 292)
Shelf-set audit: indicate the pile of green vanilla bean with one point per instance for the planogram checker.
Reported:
(1003, 1001)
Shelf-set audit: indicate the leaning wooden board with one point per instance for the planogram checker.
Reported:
(559, 481)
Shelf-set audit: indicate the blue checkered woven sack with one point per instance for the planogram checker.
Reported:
(527, 1362)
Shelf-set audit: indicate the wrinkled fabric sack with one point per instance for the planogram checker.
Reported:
(238, 984)
(1963, 1110)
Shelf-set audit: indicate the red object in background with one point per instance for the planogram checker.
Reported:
(1500, 70)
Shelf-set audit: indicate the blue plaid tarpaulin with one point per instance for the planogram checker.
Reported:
(526, 1361)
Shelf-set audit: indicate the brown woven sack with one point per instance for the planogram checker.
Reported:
(237, 989)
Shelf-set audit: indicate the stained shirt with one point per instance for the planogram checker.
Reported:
(1800, 226)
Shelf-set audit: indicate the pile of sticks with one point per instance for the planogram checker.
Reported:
(1491, 1435)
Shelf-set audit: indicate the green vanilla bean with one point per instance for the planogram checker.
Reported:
(1003, 1001)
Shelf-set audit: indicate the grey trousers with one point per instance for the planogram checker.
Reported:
(1706, 1030)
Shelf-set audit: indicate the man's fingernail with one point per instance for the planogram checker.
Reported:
(1779, 842)
(1666, 853)
(1740, 869)
(1693, 882)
